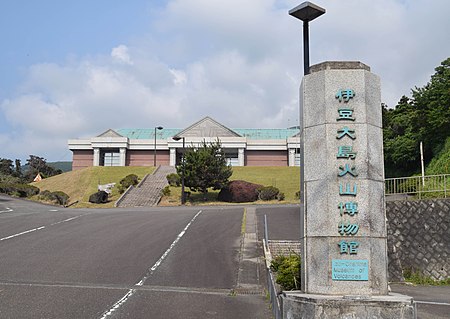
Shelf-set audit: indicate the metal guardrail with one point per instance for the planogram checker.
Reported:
(274, 297)
(432, 186)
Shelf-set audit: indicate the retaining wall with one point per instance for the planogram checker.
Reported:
(419, 237)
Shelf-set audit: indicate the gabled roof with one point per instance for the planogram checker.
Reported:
(110, 133)
(208, 127)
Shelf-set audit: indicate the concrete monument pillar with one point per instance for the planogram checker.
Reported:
(344, 237)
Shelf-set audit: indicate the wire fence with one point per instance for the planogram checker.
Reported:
(432, 186)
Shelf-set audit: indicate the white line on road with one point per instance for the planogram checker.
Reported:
(149, 272)
(22, 233)
(8, 210)
(41, 227)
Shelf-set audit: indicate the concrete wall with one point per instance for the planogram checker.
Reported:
(145, 158)
(419, 237)
(266, 158)
(82, 159)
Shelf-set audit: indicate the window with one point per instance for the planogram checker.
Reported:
(110, 158)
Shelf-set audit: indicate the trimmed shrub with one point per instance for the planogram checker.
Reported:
(100, 197)
(297, 195)
(280, 196)
(239, 192)
(166, 191)
(174, 179)
(127, 181)
(57, 197)
(61, 197)
(19, 190)
(268, 193)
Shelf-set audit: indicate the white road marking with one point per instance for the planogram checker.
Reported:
(22, 233)
(8, 210)
(149, 272)
(39, 228)
(53, 210)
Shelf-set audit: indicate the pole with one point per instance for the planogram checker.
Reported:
(306, 47)
(154, 151)
(421, 162)
(183, 195)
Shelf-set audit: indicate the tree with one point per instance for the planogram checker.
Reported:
(205, 167)
(38, 165)
(425, 117)
(6, 166)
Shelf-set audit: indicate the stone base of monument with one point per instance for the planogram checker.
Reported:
(308, 306)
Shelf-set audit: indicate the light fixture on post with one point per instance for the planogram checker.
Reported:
(306, 12)
(183, 195)
(154, 150)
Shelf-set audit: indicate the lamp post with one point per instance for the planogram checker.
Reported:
(183, 195)
(306, 12)
(154, 150)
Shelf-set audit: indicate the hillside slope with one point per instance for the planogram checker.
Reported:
(80, 184)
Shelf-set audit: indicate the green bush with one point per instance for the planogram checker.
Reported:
(61, 197)
(127, 181)
(280, 196)
(287, 269)
(297, 195)
(19, 190)
(58, 197)
(166, 191)
(268, 193)
(174, 179)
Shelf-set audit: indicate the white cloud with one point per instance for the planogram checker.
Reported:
(237, 61)
(121, 54)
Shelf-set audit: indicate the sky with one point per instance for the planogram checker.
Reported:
(73, 69)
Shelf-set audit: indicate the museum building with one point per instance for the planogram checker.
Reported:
(141, 147)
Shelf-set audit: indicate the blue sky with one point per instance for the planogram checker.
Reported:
(71, 69)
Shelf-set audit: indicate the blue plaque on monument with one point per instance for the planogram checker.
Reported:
(342, 269)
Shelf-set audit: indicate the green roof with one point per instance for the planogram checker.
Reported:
(267, 133)
(148, 133)
(250, 133)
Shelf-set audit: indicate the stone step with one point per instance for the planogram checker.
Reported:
(148, 192)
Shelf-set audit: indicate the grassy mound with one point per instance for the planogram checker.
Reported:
(80, 184)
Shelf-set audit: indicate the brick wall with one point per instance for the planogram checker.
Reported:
(146, 157)
(419, 237)
(82, 159)
(266, 158)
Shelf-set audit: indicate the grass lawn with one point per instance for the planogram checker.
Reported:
(80, 184)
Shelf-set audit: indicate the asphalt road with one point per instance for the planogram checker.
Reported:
(122, 263)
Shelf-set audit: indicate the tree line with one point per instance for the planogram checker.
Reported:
(14, 173)
(423, 117)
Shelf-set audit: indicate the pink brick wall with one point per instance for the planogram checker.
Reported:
(266, 158)
(145, 158)
(82, 159)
